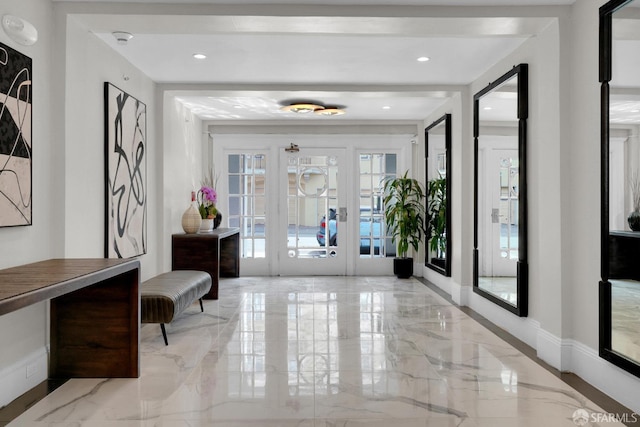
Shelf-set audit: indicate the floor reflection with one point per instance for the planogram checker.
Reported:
(320, 352)
(505, 288)
(625, 318)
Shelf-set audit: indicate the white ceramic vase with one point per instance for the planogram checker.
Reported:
(191, 219)
(206, 226)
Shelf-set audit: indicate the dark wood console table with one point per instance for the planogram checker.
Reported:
(94, 313)
(624, 252)
(217, 253)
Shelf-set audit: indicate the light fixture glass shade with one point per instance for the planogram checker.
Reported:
(329, 112)
(20, 30)
(302, 108)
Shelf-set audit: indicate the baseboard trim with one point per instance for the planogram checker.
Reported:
(550, 348)
(569, 355)
(603, 375)
(22, 376)
(442, 282)
(556, 354)
(523, 328)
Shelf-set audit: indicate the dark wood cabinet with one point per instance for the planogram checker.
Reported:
(217, 253)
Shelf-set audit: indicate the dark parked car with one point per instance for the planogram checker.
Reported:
(333, 229)
(370, 229)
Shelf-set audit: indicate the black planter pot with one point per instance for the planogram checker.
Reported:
(634, 220)
(439, 262)
(403, 267)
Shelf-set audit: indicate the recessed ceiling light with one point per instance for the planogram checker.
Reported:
(386, 107)
(199, 55)
(487, 108)
(237, 106)
(423, 59)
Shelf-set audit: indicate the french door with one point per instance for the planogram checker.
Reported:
(313, 220)
(316, 210)
(501, 238)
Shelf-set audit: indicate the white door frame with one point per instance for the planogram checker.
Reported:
(328, 260)
(491, 262)
(401, 148)
(272, 145)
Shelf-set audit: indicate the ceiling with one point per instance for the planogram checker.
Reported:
(358, 2)
(362, 59)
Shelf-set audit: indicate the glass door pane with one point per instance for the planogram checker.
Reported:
(374, 169)
(499, 213)
(248, 201)
(508, 210)
(313, 212)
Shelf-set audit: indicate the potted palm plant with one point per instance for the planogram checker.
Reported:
(634, 217)
(436, 217)
(404, 214)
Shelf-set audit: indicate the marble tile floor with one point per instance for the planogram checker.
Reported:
(625, 318)
(505, 288)
(322, 351)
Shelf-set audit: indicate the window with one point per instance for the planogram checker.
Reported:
(374, 168)
(247, 202)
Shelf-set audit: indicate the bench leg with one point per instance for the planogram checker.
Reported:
(201, 307)
(164, 334)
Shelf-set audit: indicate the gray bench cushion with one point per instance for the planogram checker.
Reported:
(165, 296)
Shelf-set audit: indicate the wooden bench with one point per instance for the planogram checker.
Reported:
(164, 297)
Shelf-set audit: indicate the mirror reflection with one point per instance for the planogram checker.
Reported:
(438, 146)
(624, 182)
(500, 256)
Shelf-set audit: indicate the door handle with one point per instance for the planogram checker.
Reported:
(342, 214)
(495, 216)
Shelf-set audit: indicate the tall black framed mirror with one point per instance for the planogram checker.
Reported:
(438, 178)
(620, 184)
(500, 268)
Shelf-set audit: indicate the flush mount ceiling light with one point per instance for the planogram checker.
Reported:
(302, 107)
(423, 59)
(329, 111)
(306, 106)
(122, 37)
(199, 56)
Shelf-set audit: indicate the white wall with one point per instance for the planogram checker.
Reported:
(545, 305)
(581, 184)
(564, 177)
(541, 53)
(545, 298)
(184, 146)
(460, 148)
(580, 152)
(68, 173)
(564, 203)
(23, 333)
(459, 285)
(90, 63)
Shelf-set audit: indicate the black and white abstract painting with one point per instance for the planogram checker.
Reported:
(15, 138)
(126, 201)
